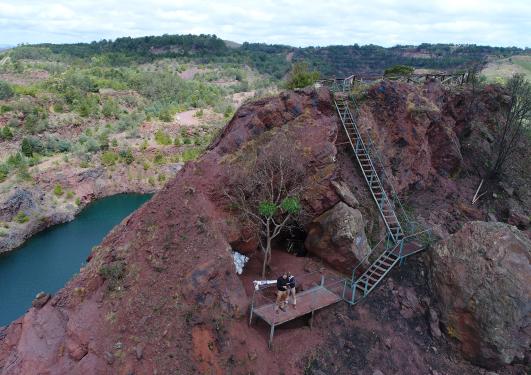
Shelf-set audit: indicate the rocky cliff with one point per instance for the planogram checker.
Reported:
(161, 293)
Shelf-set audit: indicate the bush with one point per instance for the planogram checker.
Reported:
(301, 76)
(87, 106)
(162, 138)
(109, 158)
(113, 273)
(13, 122)
(6, 133)
(21, 217)
(127, 156)
(399, 70)
(26, 147)
(58, 190)
(4, 172)
(110, 109)
(130, 121)
(6, 91)
(159, 158)
(35, 123)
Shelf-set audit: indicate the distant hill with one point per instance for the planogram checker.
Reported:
(4, 46)
(275, 60)
(501, 69)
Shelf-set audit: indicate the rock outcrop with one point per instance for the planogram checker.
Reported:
(338, 237)
(164, 279)
(482, 277)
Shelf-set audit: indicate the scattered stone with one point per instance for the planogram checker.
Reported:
(252, 356)
(345, 194)
(109, 357)
(377, 372)
(117, 346)
(139, 351)
(40, 300)
(492, 217)
(434, 323)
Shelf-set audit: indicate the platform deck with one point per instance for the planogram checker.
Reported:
(307, 301)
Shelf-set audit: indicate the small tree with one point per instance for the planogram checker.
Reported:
(515, 119)
(399, 70)
(6, 91)
(301, 76)
(267, 193)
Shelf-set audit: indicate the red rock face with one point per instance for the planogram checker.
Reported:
(411, 130)
(164, 279)
(161, 293)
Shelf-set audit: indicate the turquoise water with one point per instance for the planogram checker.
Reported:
(50, 258)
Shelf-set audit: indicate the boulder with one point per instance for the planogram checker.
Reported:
(338, 237)
(345, 194)
(482, 277)
(40, 300)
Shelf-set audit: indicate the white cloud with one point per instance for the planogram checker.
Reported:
(296, 22)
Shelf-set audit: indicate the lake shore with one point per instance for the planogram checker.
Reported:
(43, 208)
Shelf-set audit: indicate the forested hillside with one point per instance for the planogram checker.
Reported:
(274, 60)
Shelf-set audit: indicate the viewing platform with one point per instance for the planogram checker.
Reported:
(308, 301)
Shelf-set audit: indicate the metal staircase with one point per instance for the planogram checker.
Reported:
(363, 156)
(363, 285)
(402, 233)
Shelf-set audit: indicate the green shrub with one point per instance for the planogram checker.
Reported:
(87, 106)
(35, 123)
(159, 158)
(21, 217)
(109, 158)
(6, 91)
(300, 76)
(6, 133)
(399, 70)
(13, 122)
(191, 154)
(151, 180)
(229, 111)
(4, 172)
(58, 190)
(26, 147)
(5, 108)
(177, 141)
(70, 195)
(130, 121)
(127, 156)
(113, 273)
(110, 109)
(162, 138)
(78, 201)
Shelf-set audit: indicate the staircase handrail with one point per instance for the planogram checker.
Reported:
(365, 258)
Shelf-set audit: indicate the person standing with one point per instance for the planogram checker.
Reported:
(282, 292)
(291, 290)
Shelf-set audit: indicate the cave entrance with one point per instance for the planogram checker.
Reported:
(292, 241)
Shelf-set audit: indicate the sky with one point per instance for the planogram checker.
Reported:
(295, 23)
